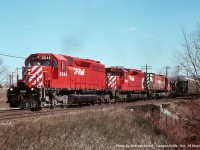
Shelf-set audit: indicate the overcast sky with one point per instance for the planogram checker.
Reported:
(127, 33)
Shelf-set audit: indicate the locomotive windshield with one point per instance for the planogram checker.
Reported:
(45, 62)
(114, 72)
(36, 63)
(41, 63)
(27, 64)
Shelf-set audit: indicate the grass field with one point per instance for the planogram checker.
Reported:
(91, 129)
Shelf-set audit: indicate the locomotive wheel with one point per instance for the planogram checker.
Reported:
(40, 108)
(33, 109)
(65, 102)
(13, 102)
(36, 106)
(125, 100)
(99, 102)
(36, 109)
(92, 103)
(113, 101)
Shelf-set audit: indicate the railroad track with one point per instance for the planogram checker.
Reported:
(190, 97)
(19, 114)
(28, 113)
(10, 115)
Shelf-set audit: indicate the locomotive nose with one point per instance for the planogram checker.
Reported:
(33, 76)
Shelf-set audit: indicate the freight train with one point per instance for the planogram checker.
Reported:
(50, 80)
(184, 86)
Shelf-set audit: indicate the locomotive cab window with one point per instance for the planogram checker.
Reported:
(28, 64)
(63, 66)
(42, 63)
(36, 63)
(55, 63)
(45, 62)
(114, 73)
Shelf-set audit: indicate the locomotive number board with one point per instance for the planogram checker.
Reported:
(45, 57)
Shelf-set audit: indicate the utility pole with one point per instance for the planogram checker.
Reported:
(146, 77)
(17, 75)
(11, 78)
(177, 70)
(146, 67)
(187, 72)
(166, 68)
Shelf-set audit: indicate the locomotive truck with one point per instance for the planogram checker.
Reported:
(58, 80)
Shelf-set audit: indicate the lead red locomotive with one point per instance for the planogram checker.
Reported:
(58, 80)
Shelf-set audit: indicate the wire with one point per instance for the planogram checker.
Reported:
(1, 54)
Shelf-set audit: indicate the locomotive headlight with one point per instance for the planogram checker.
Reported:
(32, 89)
(11, 89)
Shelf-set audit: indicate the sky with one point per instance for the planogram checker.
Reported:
(129, 33)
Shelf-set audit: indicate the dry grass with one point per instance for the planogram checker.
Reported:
(187, 130)
(100, 129)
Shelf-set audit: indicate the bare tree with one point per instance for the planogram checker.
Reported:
(3, 73)
(188, 58)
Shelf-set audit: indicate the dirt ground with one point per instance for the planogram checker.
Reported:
(3, 99)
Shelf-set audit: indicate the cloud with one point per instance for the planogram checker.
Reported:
(130, 29)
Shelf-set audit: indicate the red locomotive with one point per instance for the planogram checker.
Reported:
(158, 86)
(127, 83)
(59, 71)
(59, 80)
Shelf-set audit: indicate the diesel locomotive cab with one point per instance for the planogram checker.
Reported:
(36, 70)
(29, 91)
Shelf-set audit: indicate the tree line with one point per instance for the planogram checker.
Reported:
(3, 74)
(188, 57)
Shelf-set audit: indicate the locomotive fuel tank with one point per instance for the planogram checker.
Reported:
(79, 99)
